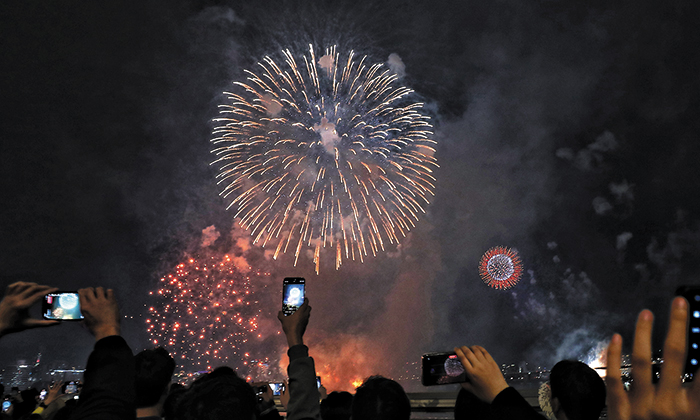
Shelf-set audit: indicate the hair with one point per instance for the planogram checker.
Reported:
(337, 406)
(154, 372)
(380, 398)
(173, 399)
(220, 395)
(27, 405)
(579, 389)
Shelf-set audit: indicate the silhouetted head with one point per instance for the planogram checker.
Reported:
(154, 371)
(579, 390)
(337, 406)
(171, 402)
(379, 398)
(220, 395)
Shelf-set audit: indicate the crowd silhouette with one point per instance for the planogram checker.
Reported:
(120, 385)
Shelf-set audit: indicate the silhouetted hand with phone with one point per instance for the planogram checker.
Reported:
(284, 395)
(294, 325)
(666, 400)
(485, 377)
(55, 391)
(101, 312)
(14, 307)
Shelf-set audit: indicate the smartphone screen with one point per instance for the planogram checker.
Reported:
(292, 294)
(62, 306)
(442, 368)
(71, 388)
(692, 362)
(318, 382)
(276, 387)
(6, 405)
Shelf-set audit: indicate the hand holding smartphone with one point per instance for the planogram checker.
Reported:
(293, 294)
(61, 306)
(441, 369)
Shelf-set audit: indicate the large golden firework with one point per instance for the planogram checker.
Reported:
(320, 154)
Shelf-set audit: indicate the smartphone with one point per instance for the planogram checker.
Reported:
(292, 294)
(70, 388)
(42, 395)
(277, 388)
(6, 405)
(441, 369)
(318, 382)
(62, 306)
(692, 362)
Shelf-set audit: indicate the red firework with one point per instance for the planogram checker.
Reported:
(500, 268)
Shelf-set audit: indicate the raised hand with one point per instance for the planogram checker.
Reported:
(485, 377)
(668, 399)
(14, 307)
(101, 312)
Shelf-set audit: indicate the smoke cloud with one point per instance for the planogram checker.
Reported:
(567, 132)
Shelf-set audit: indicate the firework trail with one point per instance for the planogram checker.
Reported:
(500, 268)
(319, 154)
(206, 314)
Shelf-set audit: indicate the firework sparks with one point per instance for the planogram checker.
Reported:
(206, 314)
(500, 268)
(597, 358)
(324, 153)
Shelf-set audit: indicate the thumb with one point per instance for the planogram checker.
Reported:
(39, 323)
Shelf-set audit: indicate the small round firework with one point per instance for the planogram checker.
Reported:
(500, 268)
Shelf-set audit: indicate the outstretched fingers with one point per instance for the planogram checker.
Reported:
(641, 354)
(618, 403)
(674, 348)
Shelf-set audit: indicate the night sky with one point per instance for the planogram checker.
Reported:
(567, 130)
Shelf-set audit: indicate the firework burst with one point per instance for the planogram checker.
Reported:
(318, 154)
(206, 314)
(500, 268)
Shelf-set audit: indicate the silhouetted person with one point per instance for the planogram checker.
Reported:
(578, 392)
(221, 395)
(380, 398)
(337, 406)
(154, 371)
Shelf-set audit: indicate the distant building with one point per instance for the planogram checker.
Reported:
(19, 374)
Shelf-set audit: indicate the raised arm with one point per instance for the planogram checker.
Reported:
(304, 398)
(108, 392)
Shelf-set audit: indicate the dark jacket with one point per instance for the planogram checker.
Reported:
(108, 389)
